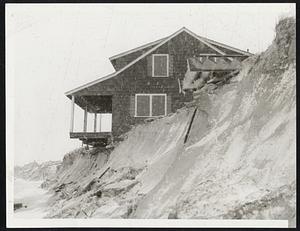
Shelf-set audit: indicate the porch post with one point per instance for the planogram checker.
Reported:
(72, 114)
(100, 123)
(85, 120)
(95, 122)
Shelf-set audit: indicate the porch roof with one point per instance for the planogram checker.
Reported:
(94, 103)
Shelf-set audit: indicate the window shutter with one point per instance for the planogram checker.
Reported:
(169, 104)
(149, 65)
(132, 106)
(171, 65)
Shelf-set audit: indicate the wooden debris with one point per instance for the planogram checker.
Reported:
(17, 206)
(190, 125)
(104, 173)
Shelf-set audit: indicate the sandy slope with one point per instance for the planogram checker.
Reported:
(239, 161)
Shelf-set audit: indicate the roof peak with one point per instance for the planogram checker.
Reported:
(145, 45)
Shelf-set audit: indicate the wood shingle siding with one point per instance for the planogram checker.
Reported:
(124, 60)
(149, 66)
(132, 106)
(134, 76)
(169, 104)
(171, 65)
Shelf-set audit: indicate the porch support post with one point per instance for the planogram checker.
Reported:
(95, 122)
(72, 114)
(100, 123)
(85, 120)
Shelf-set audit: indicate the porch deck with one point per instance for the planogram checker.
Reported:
(93, 138)
(89, 135)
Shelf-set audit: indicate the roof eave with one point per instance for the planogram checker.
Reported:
(135, 49)
(77, 89)
(227, 47)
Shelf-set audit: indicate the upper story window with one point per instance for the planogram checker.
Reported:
(160, 65)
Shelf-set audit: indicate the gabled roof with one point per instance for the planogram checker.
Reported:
(159, 40)
(159, 43)
(136, 49)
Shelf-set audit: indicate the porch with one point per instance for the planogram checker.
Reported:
(95, 127)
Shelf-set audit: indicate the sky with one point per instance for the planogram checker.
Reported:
(53, 48)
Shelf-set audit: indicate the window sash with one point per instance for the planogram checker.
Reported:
(153, 66)
(158, 105)
(143, 105)
(150, 104)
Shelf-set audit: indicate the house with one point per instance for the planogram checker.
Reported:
(147, 82)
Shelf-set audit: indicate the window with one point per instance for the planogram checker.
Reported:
(160, 65)
(142, 105)
(158, 105)
(150, 105)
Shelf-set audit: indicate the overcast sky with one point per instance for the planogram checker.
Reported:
(53, 48)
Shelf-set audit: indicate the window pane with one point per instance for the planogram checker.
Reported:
(160, 65)
(143, 105)
(158, 105)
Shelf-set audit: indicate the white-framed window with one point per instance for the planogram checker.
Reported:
(160, 65)
(150, 105)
